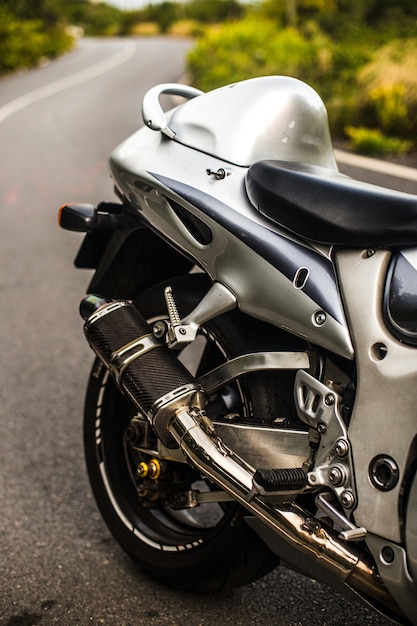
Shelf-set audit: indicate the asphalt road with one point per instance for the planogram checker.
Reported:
(58, 562)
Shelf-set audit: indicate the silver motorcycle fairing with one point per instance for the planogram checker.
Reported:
(387, 370)
(249, 255)
(269, 117)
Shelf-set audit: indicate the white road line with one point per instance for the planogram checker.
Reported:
(383, 167)
(69, 81)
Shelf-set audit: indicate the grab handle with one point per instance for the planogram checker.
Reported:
(152, 113)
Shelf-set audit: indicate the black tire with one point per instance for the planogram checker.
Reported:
(208, 548)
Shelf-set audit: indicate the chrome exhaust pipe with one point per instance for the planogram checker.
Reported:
(156, 382)
(302, 539)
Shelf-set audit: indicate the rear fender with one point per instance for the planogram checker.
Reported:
(133, 261)
(126, 255)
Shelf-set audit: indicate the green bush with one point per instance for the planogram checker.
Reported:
(168, 13)
(374, 142)
(254, 47)
(97, 19)
(388, 89)
(390, 107)
(213, 11)
(24, 42)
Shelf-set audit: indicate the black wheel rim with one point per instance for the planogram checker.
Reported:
(161, 527)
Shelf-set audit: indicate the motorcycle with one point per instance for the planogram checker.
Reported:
(254, 318)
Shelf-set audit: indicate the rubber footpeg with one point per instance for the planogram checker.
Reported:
(280, 479)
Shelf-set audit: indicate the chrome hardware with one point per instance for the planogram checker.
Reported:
(192, 498)
(152, 113)
(178, 334)
(347, 499)
(160, 329)
(261, 446)
(122, 358)
(174, 317)
(201, 497)
(219, 174)
(164, 408)
(383, 472)
(217, 300)
(349, 532)
(178, 418)
(295, 535)
(369, 253)
(329, 400)
(337, 475)
(318, 406)
(151, 470)
(341, 448)
(252, 363)
(301, 277)
(319, 318)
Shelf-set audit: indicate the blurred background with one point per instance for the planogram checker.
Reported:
(360, 56)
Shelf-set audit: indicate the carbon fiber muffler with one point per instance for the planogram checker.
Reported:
(157, 383)
(146, 370)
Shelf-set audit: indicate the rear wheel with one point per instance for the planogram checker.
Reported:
(206, 547)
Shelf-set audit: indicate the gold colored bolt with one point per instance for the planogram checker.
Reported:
(154, 469)
(142, 470)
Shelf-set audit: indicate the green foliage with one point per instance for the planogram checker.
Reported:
(390, 107)
(382, 12)
(254, 47)
(374, 142)
(95, 19)
(47, 11)
(24, 42)
(360, 56)
(166, 14)
(213, 11)
(388, 90)
(293, 12)
(342, 48)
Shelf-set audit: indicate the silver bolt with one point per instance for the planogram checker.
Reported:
(320, 318)
(347, 499)
(341, 447)
(321, 427)
(336, 476)
(159, 329)
(329, 400)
